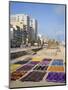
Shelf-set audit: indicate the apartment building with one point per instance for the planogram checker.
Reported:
(24, 24)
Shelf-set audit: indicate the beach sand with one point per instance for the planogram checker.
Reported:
(41, 54)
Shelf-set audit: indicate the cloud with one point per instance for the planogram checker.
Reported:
(59, 32)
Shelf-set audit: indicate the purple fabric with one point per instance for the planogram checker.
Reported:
(25, 68)
(34, 76)
(33, 62)
(44, 63)
(56, 77)
(45, 59)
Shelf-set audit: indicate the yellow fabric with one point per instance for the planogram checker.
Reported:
(13, 67)
(37, 59)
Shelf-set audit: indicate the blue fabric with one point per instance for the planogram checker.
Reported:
(57, 62)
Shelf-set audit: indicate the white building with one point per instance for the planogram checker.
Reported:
(25, 23)
(20, 20)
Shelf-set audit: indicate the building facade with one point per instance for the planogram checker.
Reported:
(20, 20)
(27, 26)
(34, 26)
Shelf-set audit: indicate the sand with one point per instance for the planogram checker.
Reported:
(44, 53)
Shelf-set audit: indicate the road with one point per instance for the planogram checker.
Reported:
(13, 50)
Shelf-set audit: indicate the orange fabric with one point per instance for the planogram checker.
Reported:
(56, 68)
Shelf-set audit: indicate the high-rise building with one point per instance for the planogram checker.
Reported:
(26, 25)
(33, 24)
(20, 20)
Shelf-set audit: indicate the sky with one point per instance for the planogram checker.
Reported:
(50, 17)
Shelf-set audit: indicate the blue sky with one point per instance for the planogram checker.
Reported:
(51, 18)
